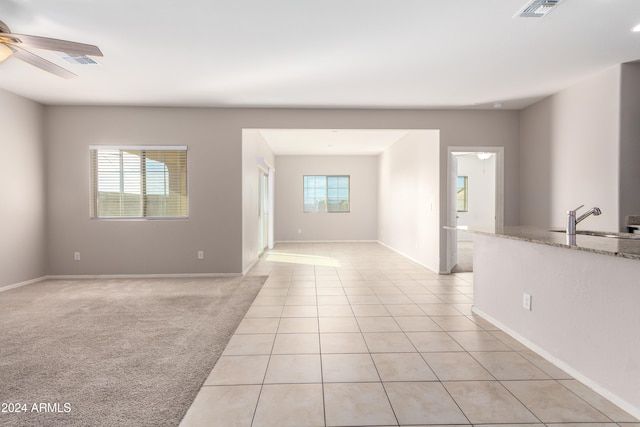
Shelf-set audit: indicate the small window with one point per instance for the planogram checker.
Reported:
(139, 182)
(463, 190)
(326, 193)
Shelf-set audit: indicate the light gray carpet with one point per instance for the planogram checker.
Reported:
(118, 352)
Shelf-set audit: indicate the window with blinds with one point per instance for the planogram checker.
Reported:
(139, 182)
(326, 193)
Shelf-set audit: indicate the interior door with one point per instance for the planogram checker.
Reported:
(452, 208)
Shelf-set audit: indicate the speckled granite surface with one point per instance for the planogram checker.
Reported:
(633, 220)
(625, 248)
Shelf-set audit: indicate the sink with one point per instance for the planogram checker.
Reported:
(627, 236)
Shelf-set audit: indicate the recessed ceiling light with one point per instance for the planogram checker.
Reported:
(636, 29)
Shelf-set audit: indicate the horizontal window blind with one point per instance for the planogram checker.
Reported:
(139, 182)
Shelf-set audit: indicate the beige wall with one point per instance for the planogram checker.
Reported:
(214, 138)
(409, 203)
(629, 141)
(569, 154)
(359, 224)
(583, 309)
(254, 147)
(23, 204)
(144, 247)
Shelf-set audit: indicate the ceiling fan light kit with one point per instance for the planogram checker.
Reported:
(17, 45)
(5, 52)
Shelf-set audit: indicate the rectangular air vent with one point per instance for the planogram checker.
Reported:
(78, 59)
(537, 8)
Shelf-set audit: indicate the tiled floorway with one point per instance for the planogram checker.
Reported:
(354, 334)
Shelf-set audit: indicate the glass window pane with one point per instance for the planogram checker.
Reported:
(139, 183)
(322, 193)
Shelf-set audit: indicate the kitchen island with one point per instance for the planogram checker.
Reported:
(575, 302)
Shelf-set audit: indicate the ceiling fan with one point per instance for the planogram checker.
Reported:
(15, 44)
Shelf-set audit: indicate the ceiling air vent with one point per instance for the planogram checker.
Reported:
(78, 59)
(537, 8)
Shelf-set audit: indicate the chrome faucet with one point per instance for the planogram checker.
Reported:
(572, 221)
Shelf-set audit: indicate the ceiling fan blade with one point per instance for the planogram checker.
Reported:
(41, 63)
(72, 48)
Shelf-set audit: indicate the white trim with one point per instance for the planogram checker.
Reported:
(121, 276)
(408, 257)
(246, 270)
(140, 147)
(621, 403)
(262, 162)
(140, 276)
(451, 239)
(26, 282)
(499, 152)
(327, 241)
(272, 187)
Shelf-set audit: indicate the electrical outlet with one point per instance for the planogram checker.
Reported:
(526, 301)
(200, 254)
(76, 256)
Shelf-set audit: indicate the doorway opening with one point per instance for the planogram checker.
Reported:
(475, 194)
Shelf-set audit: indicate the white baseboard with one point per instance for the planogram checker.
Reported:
(326, 241)
(408, 257)
(117, 276)
(246, 270)
(27, 282)
(140, 276)
(621, 403)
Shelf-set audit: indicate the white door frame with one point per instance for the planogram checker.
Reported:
(452, 212)
(263, 209)
(271, 204)
(267, 168)
(452, 241)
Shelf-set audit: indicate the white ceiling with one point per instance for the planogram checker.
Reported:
(324, 53)
(325, 142)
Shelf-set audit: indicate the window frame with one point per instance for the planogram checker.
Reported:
(326, 198)
(93, 184)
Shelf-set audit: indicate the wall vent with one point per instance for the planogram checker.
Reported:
(78, 59)
(537, 8)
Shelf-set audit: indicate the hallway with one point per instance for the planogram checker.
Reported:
(353, 334)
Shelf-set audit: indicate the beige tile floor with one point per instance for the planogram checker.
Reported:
(353, 334)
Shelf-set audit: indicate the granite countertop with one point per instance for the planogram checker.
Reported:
(624, 248)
